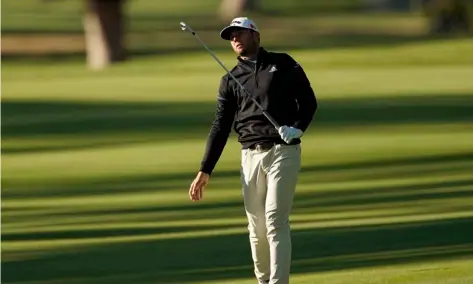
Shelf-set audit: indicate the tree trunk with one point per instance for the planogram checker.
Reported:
(230, 9)
(449, 16)
(104, 32)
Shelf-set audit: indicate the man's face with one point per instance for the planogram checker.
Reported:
(244, 41)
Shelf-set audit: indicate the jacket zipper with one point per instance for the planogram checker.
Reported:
(255, 73)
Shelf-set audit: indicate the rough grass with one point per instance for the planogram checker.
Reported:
(96, 169)
(34, 27)
(65, 16)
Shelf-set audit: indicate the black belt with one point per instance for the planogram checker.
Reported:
(264, 146)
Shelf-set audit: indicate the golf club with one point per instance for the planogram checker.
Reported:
(185, 27)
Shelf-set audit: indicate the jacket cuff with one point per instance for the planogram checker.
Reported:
(206, 169)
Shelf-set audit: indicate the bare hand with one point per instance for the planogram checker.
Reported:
(196, 190)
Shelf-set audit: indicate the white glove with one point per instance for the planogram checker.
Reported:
(288, 133)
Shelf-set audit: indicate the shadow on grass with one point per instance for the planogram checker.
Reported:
(228, 257)
(109, 233)
(355, 171)
(317, 201)
(387, 197)
(301, 43)
(305, 42)
(144, 122)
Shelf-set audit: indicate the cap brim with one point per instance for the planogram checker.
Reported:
(226, 32)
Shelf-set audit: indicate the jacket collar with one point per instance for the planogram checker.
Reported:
(262, 54)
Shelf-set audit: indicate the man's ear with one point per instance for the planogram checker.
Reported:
(256, 35)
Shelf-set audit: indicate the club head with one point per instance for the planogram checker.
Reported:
(183, 26)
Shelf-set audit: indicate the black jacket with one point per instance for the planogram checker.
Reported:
(280, 86)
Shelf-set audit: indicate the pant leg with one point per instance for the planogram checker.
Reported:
(282, 179)
(254, 196)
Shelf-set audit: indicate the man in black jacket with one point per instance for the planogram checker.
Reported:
(271, 158)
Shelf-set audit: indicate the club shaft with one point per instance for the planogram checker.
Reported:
(265, 113)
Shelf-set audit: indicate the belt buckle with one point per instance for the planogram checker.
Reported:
(263, 147)
(259, 148)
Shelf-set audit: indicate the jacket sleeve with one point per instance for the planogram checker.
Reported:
(221, 127)
(304, 94)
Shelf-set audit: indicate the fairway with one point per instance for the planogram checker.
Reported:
(96, 169)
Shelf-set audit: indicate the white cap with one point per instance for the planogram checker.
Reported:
(241, 22)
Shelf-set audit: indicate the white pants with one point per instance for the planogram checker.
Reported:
(269, 180)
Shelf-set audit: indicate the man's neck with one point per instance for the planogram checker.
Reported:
(252, 57)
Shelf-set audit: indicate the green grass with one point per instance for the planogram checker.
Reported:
(61, 16)
(55, 28)
(96, 169)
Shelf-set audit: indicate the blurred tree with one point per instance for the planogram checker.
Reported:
(448, 16)
(104, 32)
(230, 9)
(390, 5)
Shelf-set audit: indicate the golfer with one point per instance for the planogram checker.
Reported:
(270, 157)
